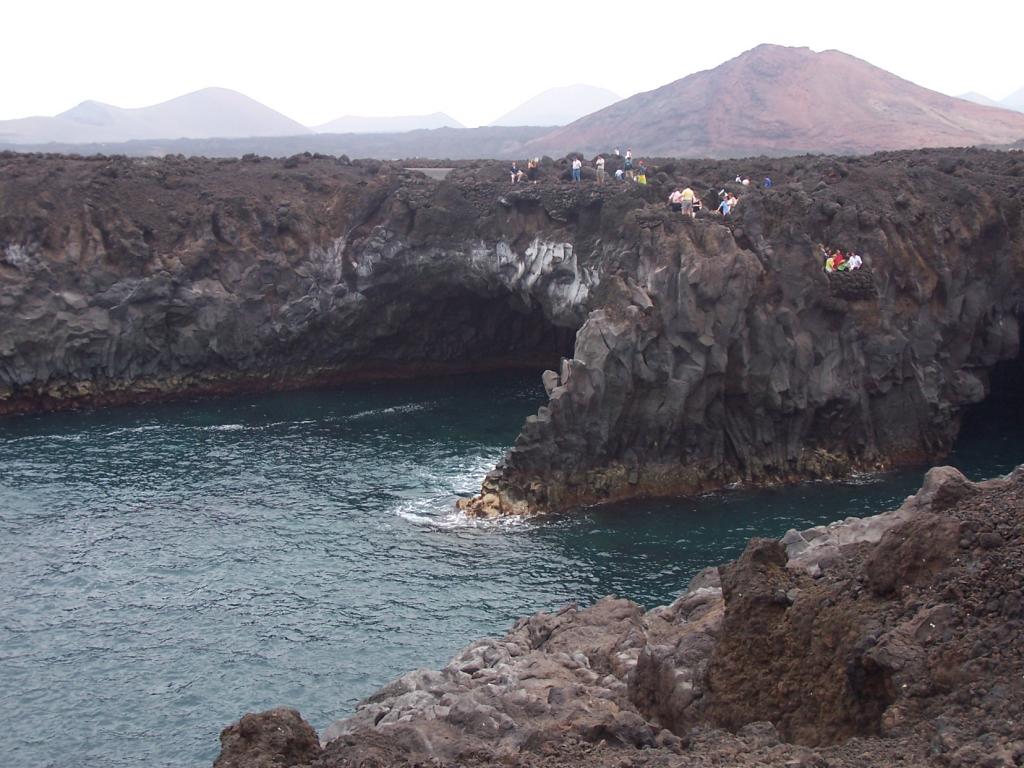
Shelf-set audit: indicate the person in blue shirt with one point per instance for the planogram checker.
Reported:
(723, 207)
(767, 182)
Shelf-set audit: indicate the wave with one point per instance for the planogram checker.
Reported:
(410, 408)
(440, 514)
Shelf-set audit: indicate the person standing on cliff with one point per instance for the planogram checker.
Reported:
(577, 169)
(686, 198)
(627, 164)
(600, 169)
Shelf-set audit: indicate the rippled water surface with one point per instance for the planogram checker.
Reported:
(166, 569)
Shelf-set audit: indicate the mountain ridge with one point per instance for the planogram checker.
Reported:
(206, 113)
(383, 124)
(774, 99)
(770, 100)
(558, 106)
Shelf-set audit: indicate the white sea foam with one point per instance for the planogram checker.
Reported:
(409, 408)
(441, 514)
(223, 427)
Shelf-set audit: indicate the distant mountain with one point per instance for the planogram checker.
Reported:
(559, 106)
(1014, 101)
(439, 143)
(211, 112)
(980, 98)
(353, 124)
(777, 100)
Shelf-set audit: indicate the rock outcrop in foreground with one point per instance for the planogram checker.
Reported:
(891, 640)
(683, 354)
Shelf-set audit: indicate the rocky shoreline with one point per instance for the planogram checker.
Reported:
(683, 355)
(891, 640)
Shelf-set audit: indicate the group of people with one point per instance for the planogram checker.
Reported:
(837, 261)
(684, 202)
(727, 202)
(532, 167)
(679, 200)
(633, 172)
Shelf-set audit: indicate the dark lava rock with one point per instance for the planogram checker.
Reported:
(277, 738)
(684, 354)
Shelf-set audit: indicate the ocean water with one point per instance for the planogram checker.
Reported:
(167, 569)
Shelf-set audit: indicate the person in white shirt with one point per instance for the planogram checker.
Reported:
(577, 169)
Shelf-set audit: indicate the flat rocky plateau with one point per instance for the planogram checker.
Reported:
(894, 640)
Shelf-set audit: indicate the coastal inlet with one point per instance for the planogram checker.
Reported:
(168, 568)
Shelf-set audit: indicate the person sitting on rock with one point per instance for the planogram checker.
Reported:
(531, 169)
(767, 184)
(855, 261)
(641, 173)
(675, 201)
(577, 169)
(839, 261)
(830, 264)
(515, 173)
(619, 174)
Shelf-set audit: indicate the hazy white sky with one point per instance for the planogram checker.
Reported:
(316, 61)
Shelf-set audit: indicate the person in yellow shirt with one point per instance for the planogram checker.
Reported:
(686, 198)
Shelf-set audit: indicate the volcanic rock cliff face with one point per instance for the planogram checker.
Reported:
(894, 640)
(707, 351)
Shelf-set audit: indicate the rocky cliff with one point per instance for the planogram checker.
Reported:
(886, 641)
(694, 353)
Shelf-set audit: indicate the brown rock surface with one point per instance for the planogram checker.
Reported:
(272, 739)
(778, 100)
(795, 662)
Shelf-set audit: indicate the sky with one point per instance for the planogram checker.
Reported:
(316, 61)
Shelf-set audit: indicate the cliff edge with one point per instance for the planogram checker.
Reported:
(683, 354)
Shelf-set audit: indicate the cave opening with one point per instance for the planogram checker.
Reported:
(458, 329)
(994, 428)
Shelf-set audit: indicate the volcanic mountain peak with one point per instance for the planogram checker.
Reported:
(979, 98)
(559, 106)
(206, 113)
(1014, 101)
(774, 100)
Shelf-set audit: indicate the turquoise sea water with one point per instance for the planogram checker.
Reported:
(166, 569)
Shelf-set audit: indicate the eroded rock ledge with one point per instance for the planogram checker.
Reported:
(684, 355)
(891, 640)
